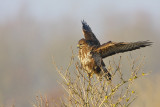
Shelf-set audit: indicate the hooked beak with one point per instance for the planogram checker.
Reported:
(78, 46)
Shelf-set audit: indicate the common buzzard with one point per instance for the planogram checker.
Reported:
(91, 52)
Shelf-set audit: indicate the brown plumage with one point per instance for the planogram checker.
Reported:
(91, 52)
(111, 48)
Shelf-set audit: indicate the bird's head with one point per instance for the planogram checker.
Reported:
(82, 43)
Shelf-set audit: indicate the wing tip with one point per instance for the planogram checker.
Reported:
(147, 43)
(85, 26)
(83, 22)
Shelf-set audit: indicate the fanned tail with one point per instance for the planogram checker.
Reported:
(107, 75)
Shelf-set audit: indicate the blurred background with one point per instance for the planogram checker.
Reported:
(32, 31)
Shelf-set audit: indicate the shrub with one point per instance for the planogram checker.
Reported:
(91, 92)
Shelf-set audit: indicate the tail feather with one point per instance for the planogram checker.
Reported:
(106, 74)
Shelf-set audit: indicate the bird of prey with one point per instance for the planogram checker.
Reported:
(91, 52)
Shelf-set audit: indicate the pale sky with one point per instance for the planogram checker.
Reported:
(49, 9)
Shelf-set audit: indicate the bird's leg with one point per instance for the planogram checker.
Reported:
(81, 67)
(99, 78)
(90, 75)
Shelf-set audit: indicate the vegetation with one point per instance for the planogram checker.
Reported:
(90, 92)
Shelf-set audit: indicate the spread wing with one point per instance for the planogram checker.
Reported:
(88, 34)
(111, 48)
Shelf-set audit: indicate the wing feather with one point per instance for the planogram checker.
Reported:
(88, 34)
(111, 48)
